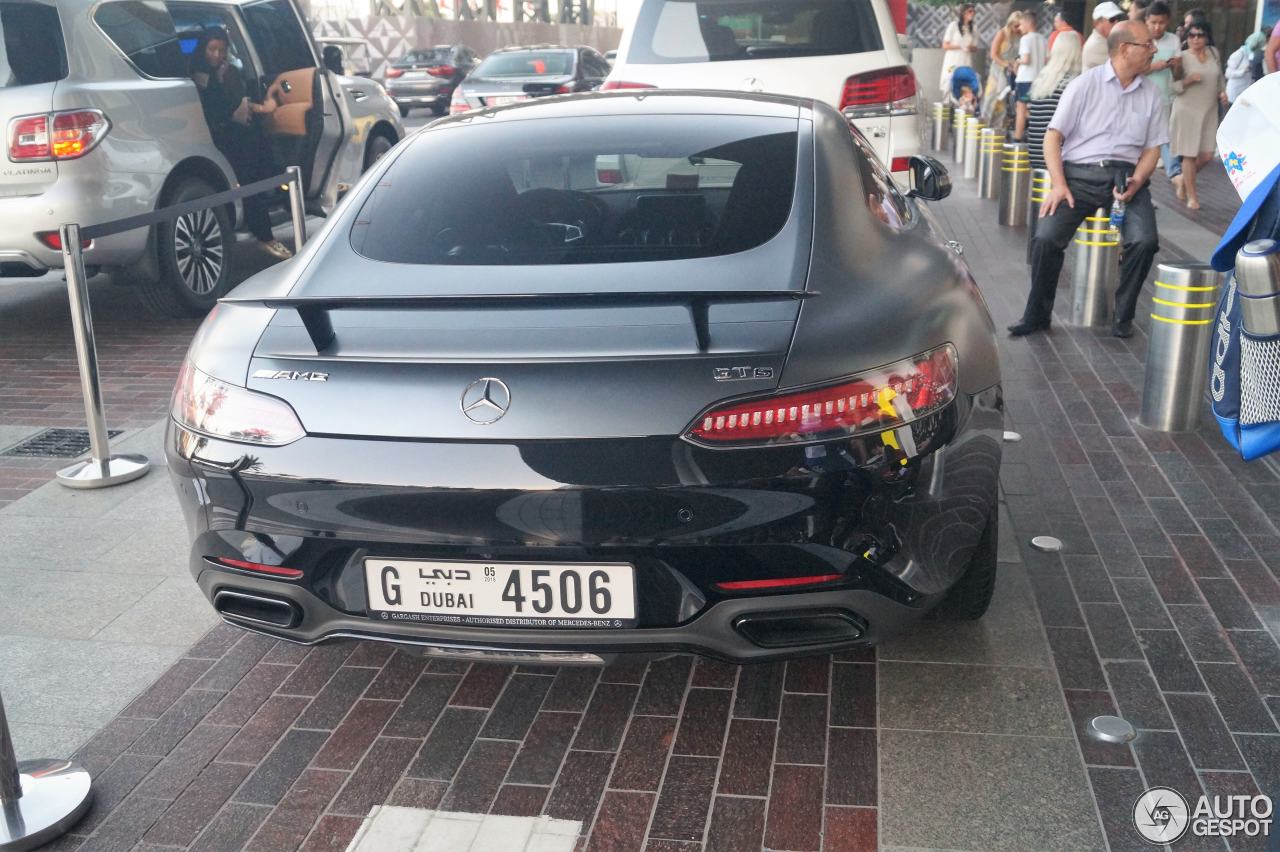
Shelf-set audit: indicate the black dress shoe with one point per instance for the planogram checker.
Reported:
(1023, 327)
(1123, 329)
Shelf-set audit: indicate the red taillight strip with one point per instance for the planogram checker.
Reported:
(617, 85)
(779, 583)
(259, 568)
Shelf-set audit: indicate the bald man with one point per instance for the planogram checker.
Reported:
(1102, 144)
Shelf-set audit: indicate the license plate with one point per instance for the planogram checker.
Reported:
(503, 100)
(414, 75)
(501, 594)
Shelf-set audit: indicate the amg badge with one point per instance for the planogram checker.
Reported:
(737, 374)
(292, 375)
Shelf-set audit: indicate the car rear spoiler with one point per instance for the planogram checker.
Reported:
(314, 310)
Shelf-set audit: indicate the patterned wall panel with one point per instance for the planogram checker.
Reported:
(926, 23)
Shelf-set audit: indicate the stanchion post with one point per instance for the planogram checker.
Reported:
(297, 209)
(1182, 333)
(101, 468)
(55, 795)
(941, 126)
(972, 133)
(958, 117)
(1096, 272)
(989, 148)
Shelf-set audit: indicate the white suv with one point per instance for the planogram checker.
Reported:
(102, 121)
(844, 52)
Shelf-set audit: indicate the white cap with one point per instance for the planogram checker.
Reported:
(1107, 10)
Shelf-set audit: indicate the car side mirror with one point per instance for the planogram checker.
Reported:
(332, 57)
(929, 179)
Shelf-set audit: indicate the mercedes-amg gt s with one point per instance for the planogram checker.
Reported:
(614, 373)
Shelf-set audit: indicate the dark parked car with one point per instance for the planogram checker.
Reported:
(427, 78)
(656, 382)
(518, 73)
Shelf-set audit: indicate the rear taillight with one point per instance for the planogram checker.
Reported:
(608, 176)
(613, 85)
(53, 240)
(441, 70)
(458, 102)
(888, 91)
(564, 89)
(875, 401)
(392, 73)
(900, 164)
(63, 135)
(204, 404)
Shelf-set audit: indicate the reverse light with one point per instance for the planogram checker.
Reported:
(875, 401)
(887, 91)
(206, 405)
(777, 583)
(64, 135)
(260, 568)
(615, 85)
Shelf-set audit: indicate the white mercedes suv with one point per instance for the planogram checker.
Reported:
(843, 52)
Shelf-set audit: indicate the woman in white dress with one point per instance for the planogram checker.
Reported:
(960, 43)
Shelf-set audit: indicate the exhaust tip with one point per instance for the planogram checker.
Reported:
(795, 629)
(257, 609)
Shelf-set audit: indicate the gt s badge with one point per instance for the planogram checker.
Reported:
(737, 374)
(292, 375)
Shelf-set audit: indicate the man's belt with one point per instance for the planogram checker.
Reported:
(1104, 164)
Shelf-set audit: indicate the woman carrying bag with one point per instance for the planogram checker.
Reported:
(1198, 88)
(1004, 53)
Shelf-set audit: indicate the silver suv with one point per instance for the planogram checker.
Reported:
(103, 121)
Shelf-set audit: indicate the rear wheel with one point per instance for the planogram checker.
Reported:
(969, 598)
(376, 148)
(404, 111)
(194, 254)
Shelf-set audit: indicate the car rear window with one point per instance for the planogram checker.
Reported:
(144, 32)
(676, 31)
(600, 189)
(435, 56)
(31, 46)
(534, 63)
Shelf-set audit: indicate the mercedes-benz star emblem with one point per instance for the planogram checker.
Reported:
(486, 400)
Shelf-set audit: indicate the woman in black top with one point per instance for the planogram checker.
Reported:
(229, 114)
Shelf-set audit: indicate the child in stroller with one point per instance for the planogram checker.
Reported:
(964, 90)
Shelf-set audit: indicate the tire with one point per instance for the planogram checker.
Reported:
(404, 112)
(375, 148)
(193, 254)
(969, 598)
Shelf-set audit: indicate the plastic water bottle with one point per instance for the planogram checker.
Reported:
(1117, 214)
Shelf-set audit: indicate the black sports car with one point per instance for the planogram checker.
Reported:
(678, 372)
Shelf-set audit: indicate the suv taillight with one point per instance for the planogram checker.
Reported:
(392, 73)
(63, 135)
(458, 102)
(875, 401)
(441, 70)
(889, 91)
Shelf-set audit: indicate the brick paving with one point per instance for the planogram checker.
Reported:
(1218, 199)
(1164, 607)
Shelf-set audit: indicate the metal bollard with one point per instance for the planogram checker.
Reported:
(101, 468)
(989, 148)
(941, 128)
(297, 209)
(1040, 185)
(972, 132)
(1178, 352)
(1015, 178)
(39, 799)
(1097, 270)
(958, 117)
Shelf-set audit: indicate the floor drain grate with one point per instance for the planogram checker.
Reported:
(55, 444)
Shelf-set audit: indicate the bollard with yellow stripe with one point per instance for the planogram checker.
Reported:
(1015, 179)
(958, 124)
(972, 133)
(1183, 310)
(990, 148)
(941, 126)
(1096, 270)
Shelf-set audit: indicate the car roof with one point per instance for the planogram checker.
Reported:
(641, 102)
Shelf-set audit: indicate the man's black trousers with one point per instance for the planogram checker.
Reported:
(1091, 187)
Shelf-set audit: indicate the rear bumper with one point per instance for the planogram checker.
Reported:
(897, 534)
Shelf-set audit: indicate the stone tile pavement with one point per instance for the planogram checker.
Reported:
(1164, 607)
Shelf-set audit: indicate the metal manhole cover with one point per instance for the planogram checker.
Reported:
(55, 444)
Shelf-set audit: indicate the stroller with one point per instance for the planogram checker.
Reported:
(962, 78)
